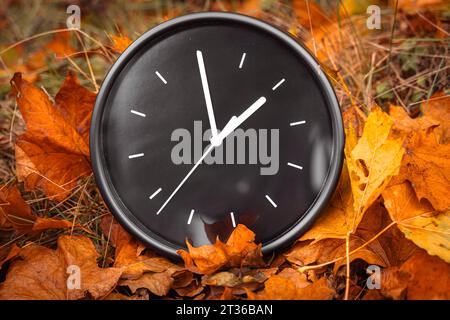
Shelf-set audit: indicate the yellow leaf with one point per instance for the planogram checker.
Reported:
(372, 162)
(418, 220)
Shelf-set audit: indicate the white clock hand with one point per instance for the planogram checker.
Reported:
(237, 121)
(207, 151)
(209, 107)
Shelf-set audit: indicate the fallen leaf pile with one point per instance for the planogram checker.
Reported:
(390, 210)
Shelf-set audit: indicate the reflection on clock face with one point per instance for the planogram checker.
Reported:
(214, 124)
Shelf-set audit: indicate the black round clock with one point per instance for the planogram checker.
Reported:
(211, 120)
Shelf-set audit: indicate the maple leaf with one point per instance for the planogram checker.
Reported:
(419, 222)
(239, 250)
(373, 161)
(41, 273)
(53, 153)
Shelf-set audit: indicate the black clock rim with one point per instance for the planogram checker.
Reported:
(112, 199)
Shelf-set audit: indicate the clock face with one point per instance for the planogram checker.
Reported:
(211, 120)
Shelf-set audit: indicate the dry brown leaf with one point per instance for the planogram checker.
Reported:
(437, 108)
(419, 222)
(240, 250)
(16, 213)
(222, 279)
(427, 165)
(129, 257)
(158, 283)
(80, 251)
(385, 249)
(421, 277)
(281, 288)
(12, 252)
(54, 151)
(41, 272)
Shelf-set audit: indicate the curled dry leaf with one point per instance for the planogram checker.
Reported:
(53, 153)
(239, 250)
(41, 272)
(419, 222)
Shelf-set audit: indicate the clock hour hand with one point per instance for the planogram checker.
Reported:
(206, 93)
(237, 121)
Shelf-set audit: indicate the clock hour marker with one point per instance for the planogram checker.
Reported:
(278, 84)
(271, 201)
(295, 166)
(190, 217)
(155, 193)
(242, 60)
(140, 114)
(137, 155)
(161, 77)
(297, 123)
(233, 222)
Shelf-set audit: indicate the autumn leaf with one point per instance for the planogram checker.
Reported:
(157, 283)
(279, 287)
(419, 222)
(427, 165)
(372, 162)
(41, 272)
(15, 213)
(240, 250)
(421, 277)
(437, 108)
(53, 153)
(129, 257)
(120, 43)
(333, 249)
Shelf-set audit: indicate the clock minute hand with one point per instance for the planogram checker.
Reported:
(207, 151)
(206, 93)
(237, 121)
